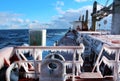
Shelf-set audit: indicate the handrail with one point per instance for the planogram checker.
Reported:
(111, 47)
(114, 63)
(8, 71)
(97, 61)
(74, 62)
(49, 47)
(106, 61)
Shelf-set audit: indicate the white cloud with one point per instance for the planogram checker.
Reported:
(14, 21)
(82, 0)
(35, 21)
(27, 20)
(59, 3)
(64, 19)
(17, 20)
(37, 25)
(58, 7)
(10, 20)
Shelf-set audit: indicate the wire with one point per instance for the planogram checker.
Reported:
(103, 5)
(106, 2)
(100, 4)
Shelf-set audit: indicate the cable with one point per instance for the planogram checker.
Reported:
(107, 2)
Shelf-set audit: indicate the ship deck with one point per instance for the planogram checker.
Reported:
(76, 79)
(111, 40)
(85, 75)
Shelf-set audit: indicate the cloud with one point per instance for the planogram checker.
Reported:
(10, 20)
(35, 21)
(59, 3)
(60, 10)
(14, 21)
(26, 20)
(63, 19)
(81, 0)
(60, 21)
(58, 6)
(37, 25)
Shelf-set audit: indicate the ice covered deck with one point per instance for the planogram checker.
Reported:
(111, 44)
(80, 76)
(112, 40)
(76, 79)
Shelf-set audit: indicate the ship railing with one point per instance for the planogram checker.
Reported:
(113, 63)
(16, 66)
(34, 50)
(35, 71)
(38, 50)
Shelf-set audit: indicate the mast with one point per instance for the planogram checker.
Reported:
(86, 21)
(94, 17)
(115, 28)
(82, 21)
(86, 18)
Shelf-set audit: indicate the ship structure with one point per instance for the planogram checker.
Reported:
(82, 54)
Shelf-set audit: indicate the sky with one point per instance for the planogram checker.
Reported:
(46, 14)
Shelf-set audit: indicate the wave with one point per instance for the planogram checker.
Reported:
(19, 37)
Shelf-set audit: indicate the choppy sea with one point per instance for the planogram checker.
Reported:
(21, 36)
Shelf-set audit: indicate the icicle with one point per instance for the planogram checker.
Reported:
(108, 62)
(109, 51)
(38, 53)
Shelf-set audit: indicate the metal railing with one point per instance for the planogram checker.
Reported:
(113, 63)
(34, 63)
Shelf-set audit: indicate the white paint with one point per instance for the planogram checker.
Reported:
(77, 24)
(43, 37)
(116, 24)
(5, 53)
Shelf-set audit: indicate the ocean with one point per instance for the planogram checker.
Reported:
(21, 36)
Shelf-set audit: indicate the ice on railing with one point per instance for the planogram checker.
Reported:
(38, 53)
(107, 62)
(119, 68)
(62, 50)
(109, 51)
(68, 65)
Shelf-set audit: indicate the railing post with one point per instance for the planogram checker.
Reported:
(97, 61)
(35, 65)
(116, 66)
(73, 70)
(75, 63)
(79, 60)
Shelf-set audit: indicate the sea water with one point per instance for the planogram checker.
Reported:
(21, 36)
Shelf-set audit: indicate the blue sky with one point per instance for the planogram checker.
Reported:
(22, 14)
